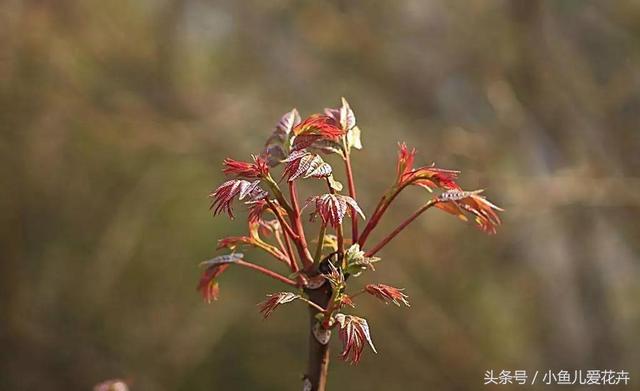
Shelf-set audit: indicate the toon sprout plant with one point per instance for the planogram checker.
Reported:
(318, 276)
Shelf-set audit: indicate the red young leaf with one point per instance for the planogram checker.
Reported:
(225, 193)
(315, 128)
(354, 331)
(288, 121)
(429, 177)
(231, 242)
(208, 285)
(304, 164)
(257, 169)
(332, 208)
(455, 201)
(274, 300)
(278, 143)
(387, 294)
(343, 116)
(259, 207)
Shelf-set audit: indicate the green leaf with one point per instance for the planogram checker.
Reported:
(335, 185)
(357, 262)
(353, 138)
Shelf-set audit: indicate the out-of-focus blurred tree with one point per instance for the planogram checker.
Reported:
(114, 118)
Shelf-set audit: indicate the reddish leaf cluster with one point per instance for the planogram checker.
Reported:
(275, 220)
(315, 128)
(387, 294)
(343, 116)
(208, 286)
(333, 207)
(257, 169)
(277, 144)
(455, 201)
(302, 163)
(231, 242)
(429, 177)
(225, 193)
(354, 333)
(274, 300)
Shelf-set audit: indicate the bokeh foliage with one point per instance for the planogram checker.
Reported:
(115, 118)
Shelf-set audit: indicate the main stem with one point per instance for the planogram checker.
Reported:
(318, 361)
(318, 254)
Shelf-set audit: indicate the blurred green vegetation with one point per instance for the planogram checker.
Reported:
(115, 117)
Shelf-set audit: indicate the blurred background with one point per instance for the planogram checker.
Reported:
(115, 118)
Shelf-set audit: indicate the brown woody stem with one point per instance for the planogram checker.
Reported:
(318, 364)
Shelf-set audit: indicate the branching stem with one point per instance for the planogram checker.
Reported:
(272, 250)
(382, 206)
(292, 257)
(301, 241)
(312, 304)
(265, 271)
(287, 228)
(352, 194)
(399, 228)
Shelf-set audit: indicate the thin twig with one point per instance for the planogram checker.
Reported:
(339, 231)
(266, 272)
(271, 250)
(399, 228)
(301, 241)
(352, 194)
(281, 220)
(286, 247)
(312, 304)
